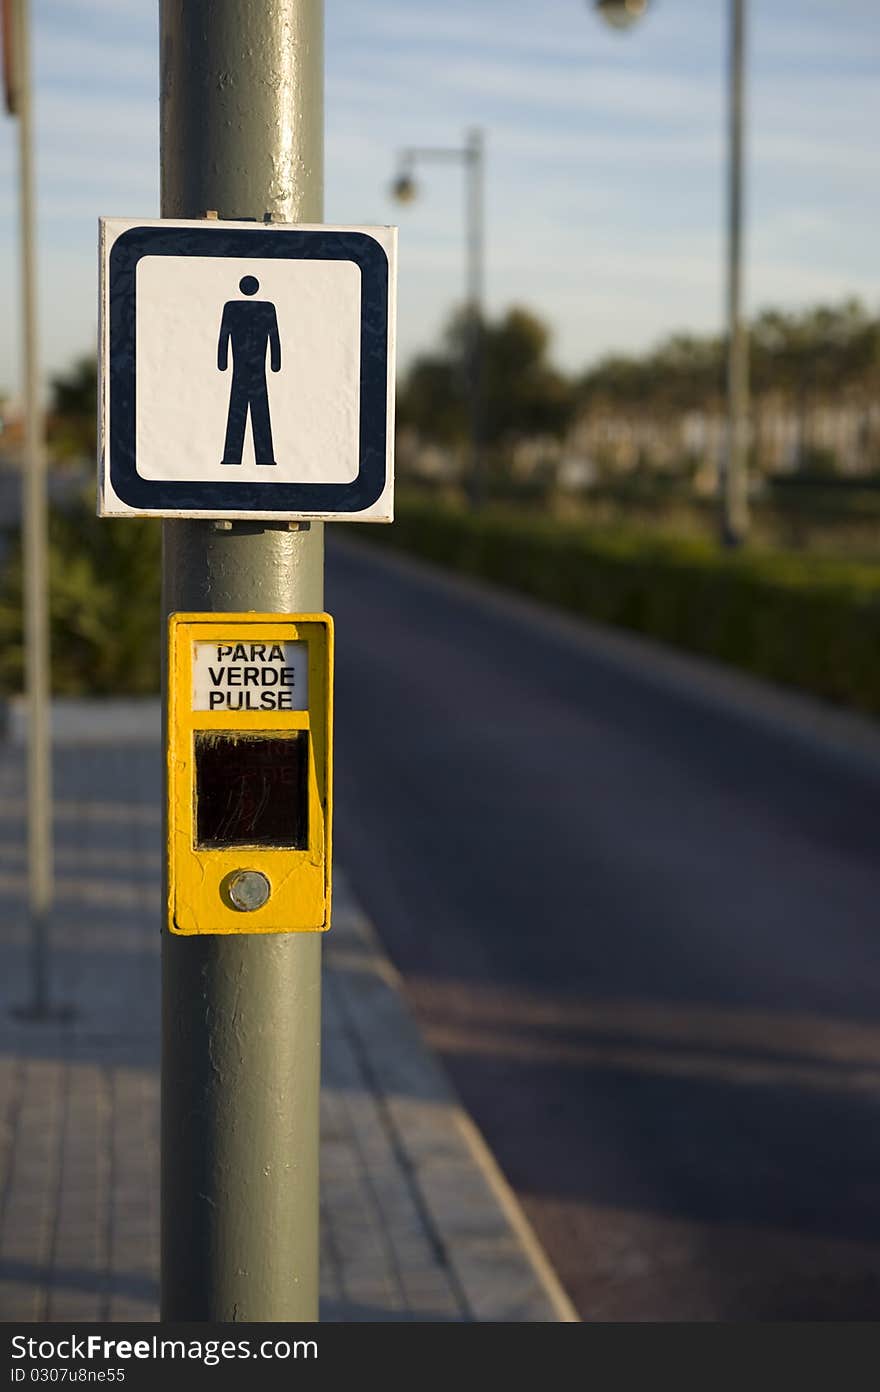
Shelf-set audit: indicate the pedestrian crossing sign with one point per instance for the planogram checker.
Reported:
(247, 370)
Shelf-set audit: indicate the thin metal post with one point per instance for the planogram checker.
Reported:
(35, 555)
(734, 479)
(473, 366)
(474, 189)
(242, 133)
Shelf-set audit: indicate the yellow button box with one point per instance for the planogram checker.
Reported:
(250, 729)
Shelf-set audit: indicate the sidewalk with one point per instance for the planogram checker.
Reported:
(417, 1223)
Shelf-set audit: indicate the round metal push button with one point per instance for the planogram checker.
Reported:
(248, 890)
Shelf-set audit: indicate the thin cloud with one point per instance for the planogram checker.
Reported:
(605, 155)
(82, 61)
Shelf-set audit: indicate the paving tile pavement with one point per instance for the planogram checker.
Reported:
(416, 1222)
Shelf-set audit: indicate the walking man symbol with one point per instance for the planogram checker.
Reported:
(252, 326)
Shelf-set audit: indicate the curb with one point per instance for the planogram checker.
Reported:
(565, 1311)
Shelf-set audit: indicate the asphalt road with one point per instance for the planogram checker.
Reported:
(639, 922)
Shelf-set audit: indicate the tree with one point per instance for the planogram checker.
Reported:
(431, 399)
(72, 425)
(99, 569)
(524, 394)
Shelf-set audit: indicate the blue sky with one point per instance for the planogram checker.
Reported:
(605, 158)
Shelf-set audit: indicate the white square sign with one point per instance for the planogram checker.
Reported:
(247, 370)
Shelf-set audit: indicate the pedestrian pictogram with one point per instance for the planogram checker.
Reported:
(249, 327)
(247, 370)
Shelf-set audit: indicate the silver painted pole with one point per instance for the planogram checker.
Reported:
(474, 197)
(471, 155)
(35, 556)
(242, 134)
(734, 480)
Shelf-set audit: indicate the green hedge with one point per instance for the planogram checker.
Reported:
(105, 579)
(808, 622)
(811, 623)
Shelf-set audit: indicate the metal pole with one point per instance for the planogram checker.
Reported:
(35, 557)
(242, 133)
(473, 365)
(734, 482)
(474, 185)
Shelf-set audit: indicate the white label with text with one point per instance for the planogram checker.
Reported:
(250, 676)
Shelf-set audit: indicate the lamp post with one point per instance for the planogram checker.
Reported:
(620, 14)
(733, 482)
(404, 189)
(35, 550)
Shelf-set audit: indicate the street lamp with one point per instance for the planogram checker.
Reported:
(620, 14)
(18, 84)
(404, 189)
(733, 488)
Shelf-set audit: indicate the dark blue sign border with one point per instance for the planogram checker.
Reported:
(192, 496)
